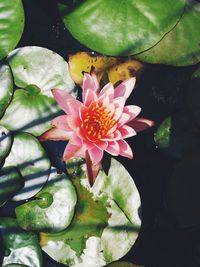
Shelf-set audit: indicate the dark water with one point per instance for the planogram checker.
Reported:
(161, 91)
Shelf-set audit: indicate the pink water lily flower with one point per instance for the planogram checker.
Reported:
(100, 123)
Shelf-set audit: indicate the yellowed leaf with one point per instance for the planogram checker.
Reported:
(86, 62)
(124, 70)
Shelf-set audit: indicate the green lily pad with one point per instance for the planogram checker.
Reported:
(6, 87)
(11, 25)
(125, 28)
(53, 209)
(182, 191)
(37, 70)
(10, 183)
(193, 97)
(5, 143)
(41, 67)
(179, 47)
(162, 136)
(101, 230)
(29, 157)
(30, 111)
(20, 247)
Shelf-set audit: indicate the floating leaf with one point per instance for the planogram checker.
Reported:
(5, 143)
(179, 47)
(41, 67)
(30, 111)
(113, 68)
(20, 247)
(162, 136)
(105, 225)
(29, 157)
(182, 191)
(124, 70)
(10, 183)
(11, 25)
(85, 62)
(37, 70)
(6, 87)
(124, 28)
(53, 209)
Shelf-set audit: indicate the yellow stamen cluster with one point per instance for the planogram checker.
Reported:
(97, 121)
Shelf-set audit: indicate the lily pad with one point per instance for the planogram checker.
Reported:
(6, 87)
(30, 111)
(103, 228)
(179, 47)
(5, 143)
(182, 191)
(20, 247)
(10, 183)
(125, 28)
(53, 209)
(11, 25)
(29, 157)
(37, 70)
(41, 67)
(162, 135)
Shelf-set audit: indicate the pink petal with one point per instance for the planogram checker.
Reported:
(116, 135)
(61, 97)
(118, 113)
(126, 131)
(75, 140)
(125, 88)
(119, 102)
(89, 82)
(90, 96)
(125, 149)
(123, 119)
(103, 100)
(73, 106)
(113, 148)
(73, 122)
(132, 111)
(101, 144)
(61, 123)
(55, 134)
(140, 124)
(96, 154)
(72, 151)
(108, 90)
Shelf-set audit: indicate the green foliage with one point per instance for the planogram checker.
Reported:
(20, 247)
(125, 28)
(11, 25)
(179, 47)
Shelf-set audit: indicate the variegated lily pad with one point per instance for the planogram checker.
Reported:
(29, 157)
(20, 247)
(10, 183)
(11, 25)
(106, 221)
(5, 143)
(37, 70)
(6, 87)
(125, 28)
(53, 209)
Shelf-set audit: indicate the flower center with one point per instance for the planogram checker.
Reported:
(97, 121)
